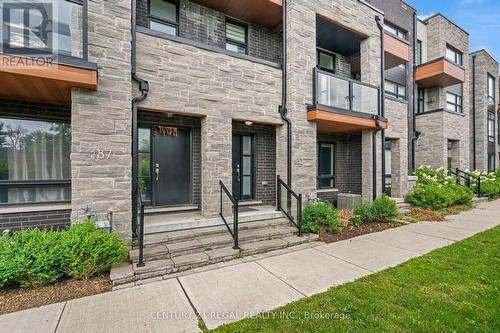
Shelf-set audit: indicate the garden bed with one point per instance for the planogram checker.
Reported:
(17, 299)
(353, 231)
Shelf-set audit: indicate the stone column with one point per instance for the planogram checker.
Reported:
(367, 165)
(399, 177)
(216, 161)
(102, 120)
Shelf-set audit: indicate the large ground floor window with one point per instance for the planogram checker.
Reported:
(326, 165)
(35, 162)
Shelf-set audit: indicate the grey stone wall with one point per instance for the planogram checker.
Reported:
(55, 219)
(432, 146)
(265, 159)
(102, 119)
(207, 26)
(484, 65)
(302, 60)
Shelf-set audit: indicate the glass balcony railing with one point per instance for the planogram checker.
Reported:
(55, 29)
(340, 93)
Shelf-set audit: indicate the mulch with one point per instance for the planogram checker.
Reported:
(352, 231)
(16, 299)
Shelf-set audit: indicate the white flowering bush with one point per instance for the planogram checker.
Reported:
(429, 176)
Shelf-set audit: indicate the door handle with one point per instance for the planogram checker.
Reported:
(157, 171)
(238, 173)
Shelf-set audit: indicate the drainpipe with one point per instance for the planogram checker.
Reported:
(282, 108)
(144, 88)
(474, 161)
(415, 92)
(381, 112)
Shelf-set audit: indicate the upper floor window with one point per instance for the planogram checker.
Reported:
(326, 61)
(491, 88)
(491, 126)
(236, 37)
(164, 16)
(453, 102)
(395, 89)
(396, 31)
(419, 52)
(454, 55)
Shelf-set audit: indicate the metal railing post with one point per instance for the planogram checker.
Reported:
(278, 193)
(479, 187)
(235, 226)
(299, 214)
(458, 175)
(220, 206)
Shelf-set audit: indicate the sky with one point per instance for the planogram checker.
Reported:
(480, 18)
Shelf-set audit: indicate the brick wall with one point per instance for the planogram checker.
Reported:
(44, 220)
(265, 151)
(207, 26)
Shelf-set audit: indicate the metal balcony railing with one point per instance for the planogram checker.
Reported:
(336, 92)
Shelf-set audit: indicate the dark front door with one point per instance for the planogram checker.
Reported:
(172, 167)
(243, 167)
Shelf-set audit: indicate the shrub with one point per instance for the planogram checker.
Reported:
(490, 189)
(90, 250)
(381, 209)
(437, 197)
(319, 216)
(34, 257)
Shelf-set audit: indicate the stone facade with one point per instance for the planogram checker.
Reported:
(102, 120)
(437, 125)
(484, 65)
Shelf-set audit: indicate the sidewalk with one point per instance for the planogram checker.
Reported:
(237, 291)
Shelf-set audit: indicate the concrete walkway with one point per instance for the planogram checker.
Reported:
(239, 290)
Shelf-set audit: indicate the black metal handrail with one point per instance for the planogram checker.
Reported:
(234, 202)
(290, 194)
(466, 177)
(140, 226)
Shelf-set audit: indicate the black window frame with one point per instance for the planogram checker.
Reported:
(458, 107)
(233, 42)
(400, 32)
(330, 177)
(332, 54)
(458, 55)
(157, 19)
(37, 183)
(491, 119)
(491, 162)
(491, 98)
(397, 94)
(420, 100)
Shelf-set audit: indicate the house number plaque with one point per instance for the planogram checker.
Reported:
(101, 154)
(166, 130)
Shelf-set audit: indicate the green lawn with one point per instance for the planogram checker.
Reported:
(453, 289)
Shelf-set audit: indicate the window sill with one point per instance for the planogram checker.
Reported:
(441, 110)
(395, 99)
(327, 190)
(29, 208)
(207, 47)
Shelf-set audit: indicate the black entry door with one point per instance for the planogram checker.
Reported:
(172, 168)
(243, 167)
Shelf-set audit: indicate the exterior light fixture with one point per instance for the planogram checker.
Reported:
(249, 123)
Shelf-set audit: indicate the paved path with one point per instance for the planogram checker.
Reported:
(237, 291)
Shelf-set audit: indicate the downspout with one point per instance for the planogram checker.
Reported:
(282, 109)
(415, 92)
(474, 161)
(381, 113)
(144, 88)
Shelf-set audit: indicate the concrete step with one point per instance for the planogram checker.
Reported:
(207, 242)
(163, 267)
(184, 235)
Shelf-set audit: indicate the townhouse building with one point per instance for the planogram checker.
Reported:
(166, 113)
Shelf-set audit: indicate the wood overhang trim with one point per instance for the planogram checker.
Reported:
(320, 115)
(80, 77)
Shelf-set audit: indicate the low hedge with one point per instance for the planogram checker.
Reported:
(36, 257)
(321, 215)
(381, 209)
(438, 197)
